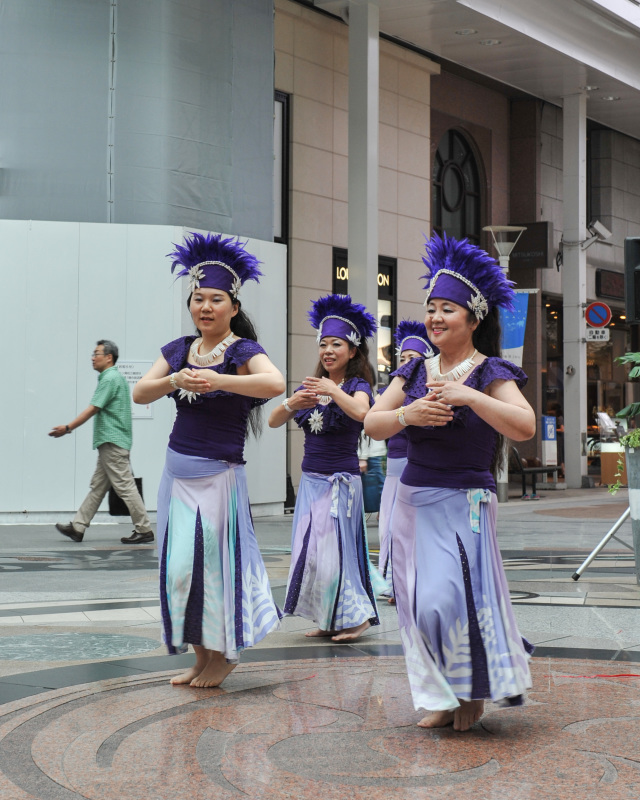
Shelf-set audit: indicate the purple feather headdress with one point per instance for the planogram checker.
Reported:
(213, 262)
(412, 335)
(466, 274)
(337, 315)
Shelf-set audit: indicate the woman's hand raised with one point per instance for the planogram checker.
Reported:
(321, 386)
(452, 393)
(304, 398)
(428, 411)
(194, 380)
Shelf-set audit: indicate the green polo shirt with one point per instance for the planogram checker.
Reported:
(113, 422)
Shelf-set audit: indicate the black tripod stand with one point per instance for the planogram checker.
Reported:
(610, 535)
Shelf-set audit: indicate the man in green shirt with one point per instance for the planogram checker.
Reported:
(110, 408)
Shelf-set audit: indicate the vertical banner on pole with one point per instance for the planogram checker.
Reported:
(513, 325)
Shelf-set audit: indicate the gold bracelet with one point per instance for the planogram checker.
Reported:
(400, 416)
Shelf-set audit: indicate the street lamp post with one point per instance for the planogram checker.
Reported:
(505, 238)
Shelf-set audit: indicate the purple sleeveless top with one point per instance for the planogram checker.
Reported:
(457, 455)
(397, 444)
(330, 435)
(212, 425)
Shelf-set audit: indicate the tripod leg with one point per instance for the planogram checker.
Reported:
(610, 535)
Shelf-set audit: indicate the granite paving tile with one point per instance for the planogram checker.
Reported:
(601, 601)
(65, 618)
(322, 729)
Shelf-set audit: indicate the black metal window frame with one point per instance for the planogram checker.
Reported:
(285, 100)
(467, 176)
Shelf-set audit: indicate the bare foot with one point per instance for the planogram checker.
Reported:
(214, 673)
(469, 712)
(188, 676)
(319, 633)
(202, 659)
(391, 601)
(351, 634)
(437, 719)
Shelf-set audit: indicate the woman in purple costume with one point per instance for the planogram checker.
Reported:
(458, 630)
(413, 342)
(330, 575)
(214, 589)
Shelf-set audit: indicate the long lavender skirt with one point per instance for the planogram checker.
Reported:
(395, 467)
(330, 580)
(214, 589)
(458, 630)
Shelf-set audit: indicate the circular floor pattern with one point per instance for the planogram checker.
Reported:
(333, 729)
(74, 646)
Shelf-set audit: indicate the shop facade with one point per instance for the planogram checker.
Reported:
(457, 152)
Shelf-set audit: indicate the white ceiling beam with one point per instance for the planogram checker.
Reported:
(573, 29)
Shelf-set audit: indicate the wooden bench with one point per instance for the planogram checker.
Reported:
(519, 466)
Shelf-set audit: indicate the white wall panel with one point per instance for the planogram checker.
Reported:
(102, 314)
(266, 303)
(15, 313)
(50, 343)
(65, 285)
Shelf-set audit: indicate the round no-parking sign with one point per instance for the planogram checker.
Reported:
(598, 314)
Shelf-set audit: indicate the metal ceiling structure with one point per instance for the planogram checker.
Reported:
(547, 48)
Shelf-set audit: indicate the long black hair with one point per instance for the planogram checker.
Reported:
(487, 336)
(242, 326)
(358, 367)
(487, 339)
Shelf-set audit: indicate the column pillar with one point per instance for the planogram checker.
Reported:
(574, 288)
(364, 21)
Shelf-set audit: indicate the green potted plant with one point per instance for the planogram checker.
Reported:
(631, 440)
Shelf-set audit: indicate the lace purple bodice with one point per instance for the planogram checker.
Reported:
(459, 454)
(212, 425)
(330, 435)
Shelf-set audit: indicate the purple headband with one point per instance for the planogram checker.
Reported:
(455, 287)
(212, 262)
(465, 274)
(217, 275)
(337, 315)
(341, 328)
(412, 335)
(415, 343)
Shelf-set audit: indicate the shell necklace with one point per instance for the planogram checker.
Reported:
(433, 365)
(324, 399)
(208, 358)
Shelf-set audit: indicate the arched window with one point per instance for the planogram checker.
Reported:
(456, 189)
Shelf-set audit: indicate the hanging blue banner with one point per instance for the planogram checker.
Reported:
(513, 327)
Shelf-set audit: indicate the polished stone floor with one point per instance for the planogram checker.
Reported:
(321, 728)
(86, 709)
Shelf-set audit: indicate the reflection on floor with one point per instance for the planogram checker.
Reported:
(329, 728)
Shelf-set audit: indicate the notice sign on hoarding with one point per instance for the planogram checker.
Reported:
(133, 371)
(597, 334)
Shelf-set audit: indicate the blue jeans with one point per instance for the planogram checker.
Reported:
(372, 483)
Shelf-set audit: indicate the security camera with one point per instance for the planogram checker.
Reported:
(598, 234)
(599, 230)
